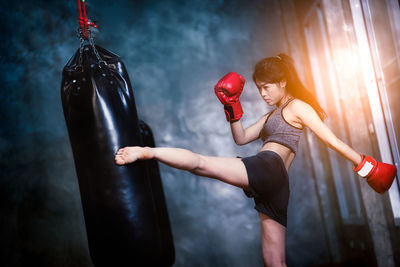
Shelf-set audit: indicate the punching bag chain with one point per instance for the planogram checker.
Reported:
(79, 66)
(91, 41)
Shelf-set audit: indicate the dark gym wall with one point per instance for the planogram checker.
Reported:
(175, 51)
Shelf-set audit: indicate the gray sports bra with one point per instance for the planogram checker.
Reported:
(276, 129)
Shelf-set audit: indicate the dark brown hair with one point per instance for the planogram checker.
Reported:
(281, 67)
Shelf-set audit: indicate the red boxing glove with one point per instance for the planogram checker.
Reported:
(379, 175)
(228, 90)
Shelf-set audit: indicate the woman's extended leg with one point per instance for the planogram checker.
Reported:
(228, 170)
(273, 241)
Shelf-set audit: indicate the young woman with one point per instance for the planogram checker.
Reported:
(264, 176)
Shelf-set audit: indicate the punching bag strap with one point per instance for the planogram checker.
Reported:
(84, 23)
(84, 33)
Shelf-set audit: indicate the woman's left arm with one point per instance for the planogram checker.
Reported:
(308, 117)
(379, 175)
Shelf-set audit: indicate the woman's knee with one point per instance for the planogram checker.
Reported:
(274, 258)
(273, 253)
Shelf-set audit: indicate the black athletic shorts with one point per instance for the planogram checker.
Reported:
(269, 184)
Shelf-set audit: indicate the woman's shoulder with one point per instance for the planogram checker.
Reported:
(297, 104)
(301, 109)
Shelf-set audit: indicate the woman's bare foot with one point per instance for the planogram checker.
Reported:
(130, 154)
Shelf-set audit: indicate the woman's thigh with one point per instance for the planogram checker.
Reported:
(273, 241)
(226, 169)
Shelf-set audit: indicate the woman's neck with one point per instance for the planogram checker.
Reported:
(283, 100)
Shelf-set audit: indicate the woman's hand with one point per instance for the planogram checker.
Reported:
(379, 175)
(228, 90)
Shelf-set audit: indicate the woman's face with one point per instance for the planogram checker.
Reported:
(272, 93)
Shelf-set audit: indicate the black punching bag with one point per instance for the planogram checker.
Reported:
(124, 206)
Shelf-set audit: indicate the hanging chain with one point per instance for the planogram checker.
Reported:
(92, 44)
(91, 41)
(81, 40)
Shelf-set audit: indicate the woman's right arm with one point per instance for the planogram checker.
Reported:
(243, 136)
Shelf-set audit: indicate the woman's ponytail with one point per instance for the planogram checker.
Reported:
(296, 87)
